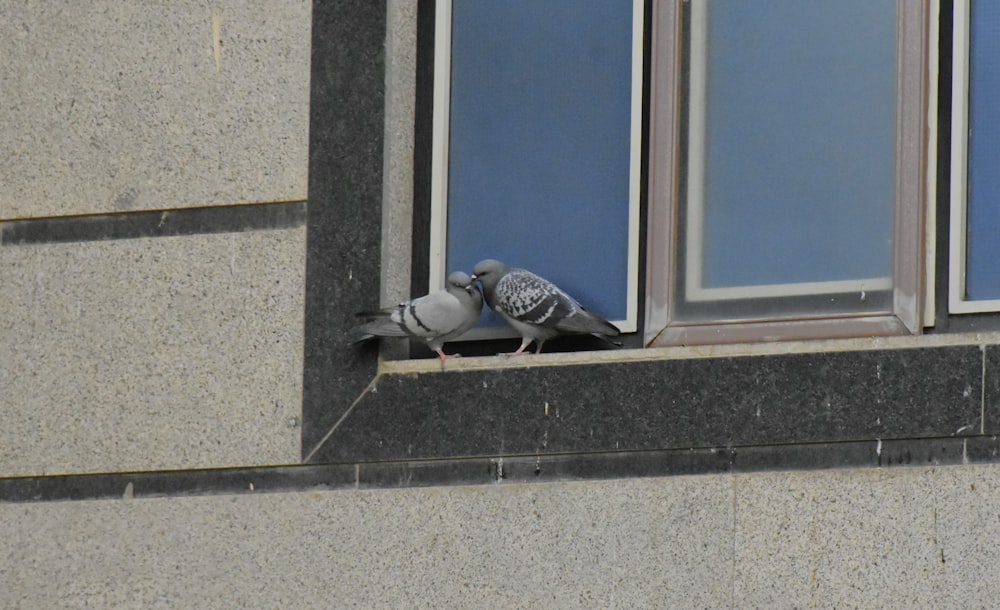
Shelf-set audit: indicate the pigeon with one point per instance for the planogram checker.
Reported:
(434, 319)
(536, 308)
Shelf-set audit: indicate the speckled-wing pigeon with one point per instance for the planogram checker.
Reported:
(536, 308)
(434, 319)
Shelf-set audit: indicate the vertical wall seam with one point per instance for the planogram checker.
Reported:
(982, 393)
(732, 547)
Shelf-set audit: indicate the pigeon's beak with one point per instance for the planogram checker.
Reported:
(473, 282)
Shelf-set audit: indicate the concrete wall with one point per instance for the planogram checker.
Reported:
(906, 538)
(151, 353)
(135, 352)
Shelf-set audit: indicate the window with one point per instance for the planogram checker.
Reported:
(974, 278)
(537, 112)
(787, 169)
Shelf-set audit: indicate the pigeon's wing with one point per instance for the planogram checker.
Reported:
(470, 301)
(530, 299)
(434, 316)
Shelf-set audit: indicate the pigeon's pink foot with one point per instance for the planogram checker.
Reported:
(520, 351)
(443, 356)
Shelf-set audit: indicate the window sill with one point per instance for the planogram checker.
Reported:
(653, 354)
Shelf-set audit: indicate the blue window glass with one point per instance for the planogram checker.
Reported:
(982, 279)
(542, 144)
(791, 158)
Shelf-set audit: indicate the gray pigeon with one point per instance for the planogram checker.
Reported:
(434, 319)
(536, 308)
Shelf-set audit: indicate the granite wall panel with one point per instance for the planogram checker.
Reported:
(123, 106)
(707, 402)
(151, 353)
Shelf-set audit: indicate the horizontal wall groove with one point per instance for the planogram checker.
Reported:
(154, 223)
(505, 469)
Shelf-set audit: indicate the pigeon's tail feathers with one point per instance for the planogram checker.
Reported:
(379, 327)
(583, 322)
(594, 325)
(356, 336)
(607, 339)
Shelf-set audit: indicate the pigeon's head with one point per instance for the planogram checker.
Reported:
(489, 273)
(460, 281)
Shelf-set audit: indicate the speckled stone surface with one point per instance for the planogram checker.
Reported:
(347, 129)
(619, 544)
(397, 179)
(118, 106)
(137, 354)
(991, 390)
(905, 538)
(709, 402)
(965, 528)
